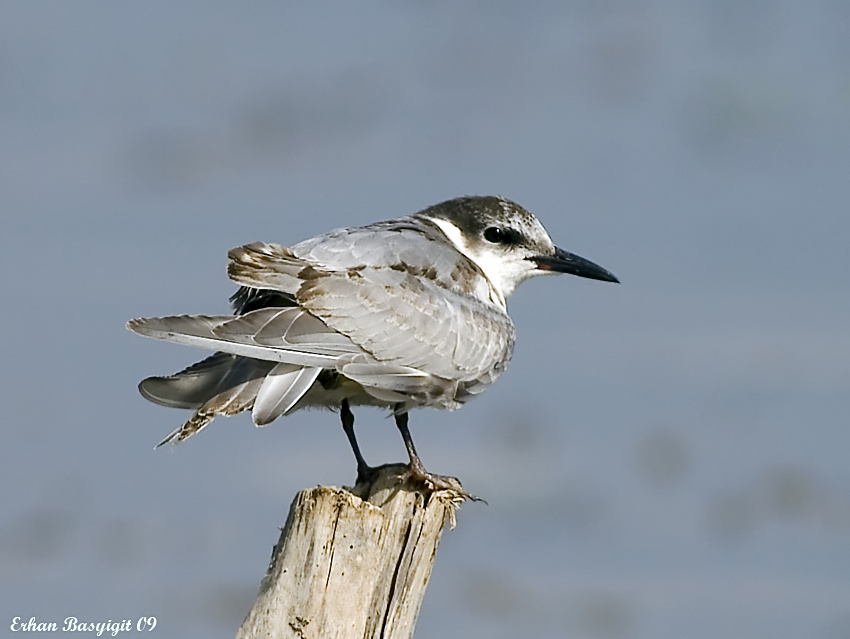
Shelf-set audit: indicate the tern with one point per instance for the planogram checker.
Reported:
(400, 314)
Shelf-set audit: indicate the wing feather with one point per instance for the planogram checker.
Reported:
(237, 335)
(284, 385)
(192, 386)
(265, 265)
(416, 324)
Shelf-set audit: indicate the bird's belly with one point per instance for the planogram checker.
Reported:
(331, 394)
(332, 387)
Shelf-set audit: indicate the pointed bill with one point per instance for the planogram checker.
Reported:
(565, 262)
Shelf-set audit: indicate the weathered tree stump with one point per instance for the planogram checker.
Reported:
(352, 562)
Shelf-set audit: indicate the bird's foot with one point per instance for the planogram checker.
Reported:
(417, 473)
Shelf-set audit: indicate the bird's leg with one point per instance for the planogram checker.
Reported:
(364, 471)
(417, 469)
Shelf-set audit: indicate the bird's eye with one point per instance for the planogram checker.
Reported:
(496, 235)
(504, 236)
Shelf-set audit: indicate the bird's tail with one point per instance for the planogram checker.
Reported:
(222, 384)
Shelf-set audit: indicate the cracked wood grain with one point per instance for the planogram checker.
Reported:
(352, 562)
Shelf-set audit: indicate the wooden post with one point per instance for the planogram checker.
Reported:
(352, 562)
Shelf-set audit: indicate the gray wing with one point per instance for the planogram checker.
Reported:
(404, 316)
(408, 244)
(289, 335)
(227, 384)
(194, 385)
(222, 384)
(404, 320)
(404, 299)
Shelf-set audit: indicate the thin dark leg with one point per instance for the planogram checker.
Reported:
(364, 470)
(417, 469)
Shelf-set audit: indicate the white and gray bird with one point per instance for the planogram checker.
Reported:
(400, 314)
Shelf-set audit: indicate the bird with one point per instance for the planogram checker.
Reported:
(400, 314)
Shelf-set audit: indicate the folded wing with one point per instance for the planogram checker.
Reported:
(403, 298)
(404, 316)
(288, 335)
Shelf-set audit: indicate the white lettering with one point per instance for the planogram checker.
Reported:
(73, 624)
(32, 625)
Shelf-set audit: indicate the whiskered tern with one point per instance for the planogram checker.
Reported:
(399, 314)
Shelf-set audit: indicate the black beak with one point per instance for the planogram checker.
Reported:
(564, 262)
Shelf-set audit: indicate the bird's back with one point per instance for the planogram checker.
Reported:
(397, 290)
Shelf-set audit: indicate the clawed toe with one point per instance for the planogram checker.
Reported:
(440, 482)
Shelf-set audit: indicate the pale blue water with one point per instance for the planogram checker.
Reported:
(665, 458)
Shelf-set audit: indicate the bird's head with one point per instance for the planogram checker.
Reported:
(506, 242)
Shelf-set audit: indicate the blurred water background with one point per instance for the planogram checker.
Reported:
(665, 458)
